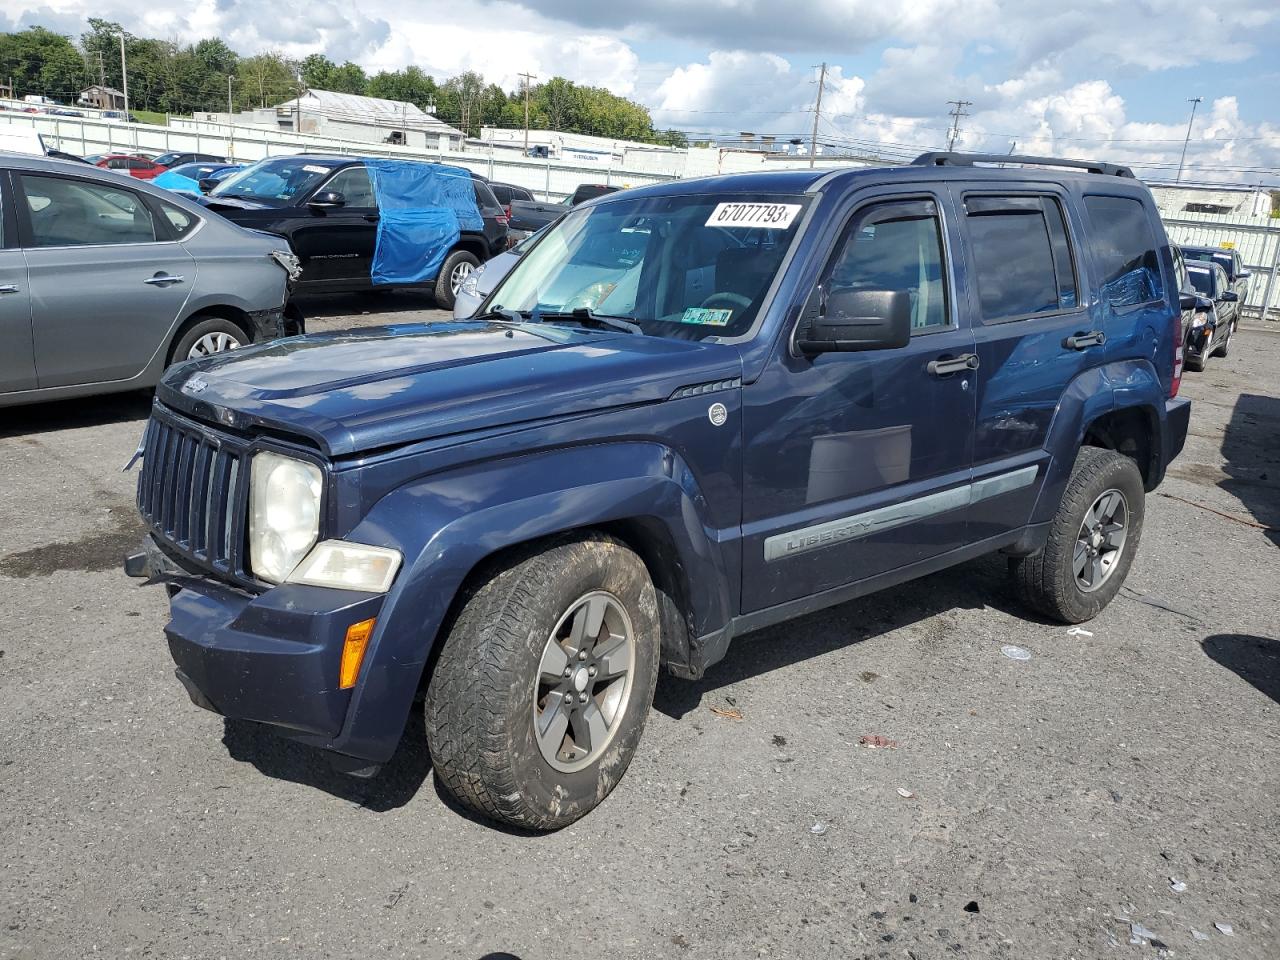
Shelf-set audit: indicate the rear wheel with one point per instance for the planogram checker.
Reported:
(453, 272)
(540, 694)
(206, 337)
(1092, 542)
(1225, 346)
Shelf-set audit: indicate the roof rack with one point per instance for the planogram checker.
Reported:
(943, 159)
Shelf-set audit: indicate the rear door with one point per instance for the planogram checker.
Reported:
(106, 286)
(17, 357)
(1035, 333)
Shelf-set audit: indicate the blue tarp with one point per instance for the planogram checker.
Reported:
(422, 207)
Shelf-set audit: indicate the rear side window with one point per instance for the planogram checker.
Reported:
(181, 221)
(1124, 247)
(1023, 256)
(501, 192)
(73, 213)
(487, 201)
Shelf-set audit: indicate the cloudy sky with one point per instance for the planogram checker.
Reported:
(1109, 80)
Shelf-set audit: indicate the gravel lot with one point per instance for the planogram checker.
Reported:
(1050, 801)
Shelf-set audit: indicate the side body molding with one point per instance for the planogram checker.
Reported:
(446, 524)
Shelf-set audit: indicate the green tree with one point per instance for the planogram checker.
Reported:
(266, 79)
(42, 62)
(410, 85)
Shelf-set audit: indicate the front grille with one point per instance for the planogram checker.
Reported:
(191, 491)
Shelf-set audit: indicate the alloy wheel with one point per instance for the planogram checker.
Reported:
(459, 275)
(1100, 542)
(584, 682)
(212, 343)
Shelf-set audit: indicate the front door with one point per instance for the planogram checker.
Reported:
(105, 293)
(856, 464)
(336, 244)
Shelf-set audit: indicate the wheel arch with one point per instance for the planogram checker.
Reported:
(222, 311)
(452, 528)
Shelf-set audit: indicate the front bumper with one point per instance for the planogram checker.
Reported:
(272, 658)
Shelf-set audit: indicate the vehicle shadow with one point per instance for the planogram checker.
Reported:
(1251, 449)
(51, 415)
(980, 583)
(1254, 659)
(274, 756)
(323, 306)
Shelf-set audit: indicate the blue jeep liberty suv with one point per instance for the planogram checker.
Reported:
(690, 411)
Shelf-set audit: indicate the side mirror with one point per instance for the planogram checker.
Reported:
(327, 200)
(847, 320)
(206, 184)
(1193, 301)
(1230, 296)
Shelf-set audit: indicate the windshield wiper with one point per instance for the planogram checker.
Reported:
(500, 313)
(586, 317)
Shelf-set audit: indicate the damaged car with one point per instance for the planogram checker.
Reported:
(105, 282)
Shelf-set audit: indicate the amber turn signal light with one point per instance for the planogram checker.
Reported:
(353, 648)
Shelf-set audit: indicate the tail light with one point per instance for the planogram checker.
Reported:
(507, 208)
(1178, 347)
(503, 218)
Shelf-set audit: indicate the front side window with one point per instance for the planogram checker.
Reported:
(690, 267)
(896, 247)
(1022, 255)
(73, 213)
(1124, 246)
(354, 185)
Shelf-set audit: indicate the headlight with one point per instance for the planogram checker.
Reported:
(348, 566)
(284, 513)
(471, 285)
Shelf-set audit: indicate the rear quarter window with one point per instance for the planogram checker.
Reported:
(1124, 249)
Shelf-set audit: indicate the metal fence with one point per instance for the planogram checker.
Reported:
(1256, 238)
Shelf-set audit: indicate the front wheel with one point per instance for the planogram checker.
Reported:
(1225, 346)
(453, 273)
(1092, 541)
(541, 691)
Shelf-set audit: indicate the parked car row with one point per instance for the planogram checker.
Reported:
(529, 216)
(1215, 282)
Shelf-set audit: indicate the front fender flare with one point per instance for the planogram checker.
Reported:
(445, 525)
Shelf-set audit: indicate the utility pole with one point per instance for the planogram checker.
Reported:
(231, 122)
(956, 114)
(102, 71)
(817, 111)
(124, 80)
(528, 82)
(1195, 102)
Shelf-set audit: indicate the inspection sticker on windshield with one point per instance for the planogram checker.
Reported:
(312, 168)
(770, 216)
(708, 318)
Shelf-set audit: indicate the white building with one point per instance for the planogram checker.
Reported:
(350, 116)
(1179, 199)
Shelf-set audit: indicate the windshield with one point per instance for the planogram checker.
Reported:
(692, 267)
(275, 182)
(1201, 282)
(166, 158)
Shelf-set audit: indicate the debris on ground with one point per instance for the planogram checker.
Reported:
(818, 829)
(877, 742)
(1139, 935)
(1197, 935)
(905, 793)
(1176, 885)
(1079, 632)
(972, 907)
(1225, 929)
(1015, 653)
(779, 740)
(869, 675)
(729, 713)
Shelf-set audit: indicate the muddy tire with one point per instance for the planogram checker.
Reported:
(1092, 542)
(541, 690)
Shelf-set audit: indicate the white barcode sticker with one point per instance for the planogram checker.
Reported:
(770, 216)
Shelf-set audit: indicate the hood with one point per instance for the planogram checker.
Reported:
(386, 386)
(233, 204)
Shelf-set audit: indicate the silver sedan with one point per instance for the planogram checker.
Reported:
(106, 281)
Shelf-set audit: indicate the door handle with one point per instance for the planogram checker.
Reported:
(161, 280)
(1083, 341)
(946, 365)
(8, 288)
